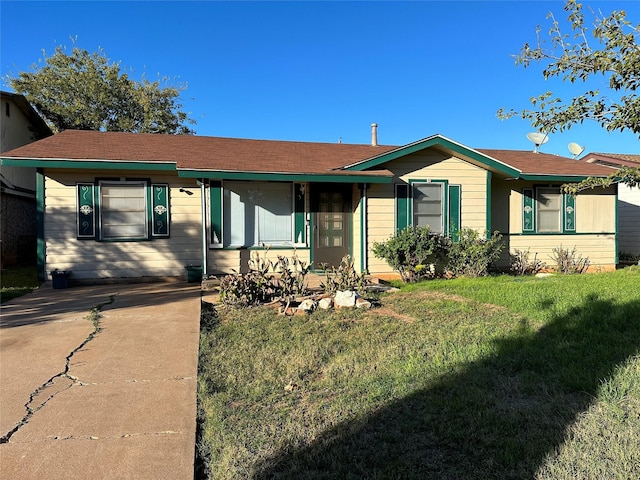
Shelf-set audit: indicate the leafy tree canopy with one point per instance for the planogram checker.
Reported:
(610, 49)
(86, 91)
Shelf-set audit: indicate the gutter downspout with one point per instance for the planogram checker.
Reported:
(203, 201)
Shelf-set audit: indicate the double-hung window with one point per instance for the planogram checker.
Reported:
(547, 210)
(433, 203)
(253, 214)
(114, 210)
(123, 211)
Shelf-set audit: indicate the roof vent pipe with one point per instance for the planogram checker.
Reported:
(374, 134)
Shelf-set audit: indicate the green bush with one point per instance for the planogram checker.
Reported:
(414, 252)
(472, 254)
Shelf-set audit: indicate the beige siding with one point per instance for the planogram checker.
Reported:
(599, 248)
(226, 260)
(629, 219)
(430, 165)
(89, 259)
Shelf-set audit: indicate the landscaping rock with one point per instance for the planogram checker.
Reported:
(345, 299)
(307, 305)
(362, 303)
(325, 303)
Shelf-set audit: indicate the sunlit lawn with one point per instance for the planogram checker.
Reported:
(502, 377)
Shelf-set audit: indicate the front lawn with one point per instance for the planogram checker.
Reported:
(503, 377)
(16, 281)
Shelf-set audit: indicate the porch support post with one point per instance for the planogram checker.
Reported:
(364, 263)
(203, 202)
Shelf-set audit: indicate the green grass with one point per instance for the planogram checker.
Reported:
(16, 281)
(501, 377)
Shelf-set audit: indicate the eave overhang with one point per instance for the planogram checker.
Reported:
(332, 177)
(86, 164)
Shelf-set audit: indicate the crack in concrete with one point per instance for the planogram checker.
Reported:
(94, 316)
(110, 437)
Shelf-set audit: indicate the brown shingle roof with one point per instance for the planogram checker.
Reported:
(530, 163)
(261, 156)
(614, 159)
(199, 153)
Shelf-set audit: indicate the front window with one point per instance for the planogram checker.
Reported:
(549, 214)
(428, 206)
(123, 211)
(257, 213)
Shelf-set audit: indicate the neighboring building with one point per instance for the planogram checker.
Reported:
(122, 205)
(628, 201)
(19, 124)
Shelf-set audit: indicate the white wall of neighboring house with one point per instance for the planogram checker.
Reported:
(629, 220)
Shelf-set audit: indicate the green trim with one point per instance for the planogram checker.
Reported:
(402, 206)
(284, 177)
(299, 224)
(160, 215)
(260, 248)
(528, 211)
(215, 202)
(534, 234)
(85, 211)
(488, 204)
(617, 228)
(40, 245)
(363, 246)
(91, 164)
(442, 142)
(454, 211)
(568, 213)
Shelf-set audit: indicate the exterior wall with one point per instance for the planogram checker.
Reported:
(424, 165)
(90, 259)
(18, 229)
(629, 220)
(595, 235)
(16, 131)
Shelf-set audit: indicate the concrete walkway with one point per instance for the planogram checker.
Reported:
(112, 400)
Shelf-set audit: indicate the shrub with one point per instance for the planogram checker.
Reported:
(344, 277)
(569, 261)
(413, 252)
(266, 281)
(521, 264)
(472, 254)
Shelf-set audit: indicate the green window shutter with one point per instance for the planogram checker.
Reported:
(160, 210)
(402, 207)
(454, 211)
(299, 230)
(86, 211)
(215, 200)
(569, 213)
(528, 211)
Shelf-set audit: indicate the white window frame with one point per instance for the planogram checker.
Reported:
(414, 188)
(229, 214)
(103, 185)
(541, 209)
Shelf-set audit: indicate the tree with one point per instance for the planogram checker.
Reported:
(86, 91)
(612, 52)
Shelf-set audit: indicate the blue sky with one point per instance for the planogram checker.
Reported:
(324, 71)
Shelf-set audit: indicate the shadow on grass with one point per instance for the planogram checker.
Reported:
(498, 418)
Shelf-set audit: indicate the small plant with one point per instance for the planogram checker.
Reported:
(266, 281)
(569, 261)
(472, 254)
(521, 264)
(344, 277)
(414, 252)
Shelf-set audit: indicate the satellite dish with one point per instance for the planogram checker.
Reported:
(538, 139)
(575, 149)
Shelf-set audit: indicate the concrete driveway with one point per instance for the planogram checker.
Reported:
(114, 398)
